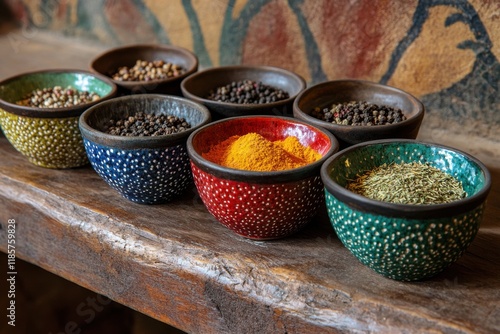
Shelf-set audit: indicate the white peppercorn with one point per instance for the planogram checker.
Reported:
(57, 97)
(147, 71)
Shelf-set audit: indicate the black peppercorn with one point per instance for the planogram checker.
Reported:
(247, 92)
(359, 113)
(142, 124)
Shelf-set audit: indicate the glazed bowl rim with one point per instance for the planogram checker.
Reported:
(259, 176)
(241, 106)
(135, 142)
(409, 120)
(63, 112)
(361, 203)
(165, 47)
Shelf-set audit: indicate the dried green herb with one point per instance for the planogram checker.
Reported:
(408, 183)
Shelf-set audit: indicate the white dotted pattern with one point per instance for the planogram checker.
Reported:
(403, 249)
(260, 211)
(46, 142)
(145, 175)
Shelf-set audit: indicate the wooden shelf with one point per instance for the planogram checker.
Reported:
(175, 263)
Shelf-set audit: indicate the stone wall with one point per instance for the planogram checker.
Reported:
(445, 52)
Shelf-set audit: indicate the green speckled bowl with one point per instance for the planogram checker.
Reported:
(399, 241)
(49, 137)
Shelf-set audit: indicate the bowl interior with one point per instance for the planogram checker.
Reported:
(201, 83)
(271, 128)
(326, 94)
(18, 87)
(150, 104)
(358, 160)
(108, 62)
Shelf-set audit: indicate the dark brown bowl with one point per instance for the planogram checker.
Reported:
(198, 86)
(338, 91)
(109, 61)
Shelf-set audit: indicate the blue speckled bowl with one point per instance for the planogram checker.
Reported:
(404, 242)
(146, 170)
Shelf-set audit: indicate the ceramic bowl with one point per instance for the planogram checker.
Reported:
(339, 91)
(149, 169)
(109, 61)
(402, 241)
(49, 137)
(198, 86)
(260, 205)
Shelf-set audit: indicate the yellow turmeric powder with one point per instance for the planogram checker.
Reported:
(255, 153)
(293, 146)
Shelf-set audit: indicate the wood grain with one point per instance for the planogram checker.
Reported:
(175, 263)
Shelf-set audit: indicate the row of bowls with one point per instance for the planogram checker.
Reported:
(403, 242)
(196, 85)
(50, 138)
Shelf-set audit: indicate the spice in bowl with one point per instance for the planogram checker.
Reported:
(357, 113)
(143, 124)
(253, 152)
(147, 71)
(408, 183)
(247, 92)
(57, 97)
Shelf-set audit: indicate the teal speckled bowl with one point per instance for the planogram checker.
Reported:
(49, 137)
(400, 241)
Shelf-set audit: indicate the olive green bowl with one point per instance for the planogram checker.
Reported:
(403, 241)
(49, 137)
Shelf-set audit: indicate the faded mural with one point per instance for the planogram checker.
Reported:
(474, 96)
(443, 51)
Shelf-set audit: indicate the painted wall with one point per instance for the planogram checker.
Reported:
(445, 52)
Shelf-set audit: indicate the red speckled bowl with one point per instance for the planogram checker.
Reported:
(260, 205)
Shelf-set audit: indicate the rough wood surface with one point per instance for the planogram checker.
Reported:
(175, 263)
